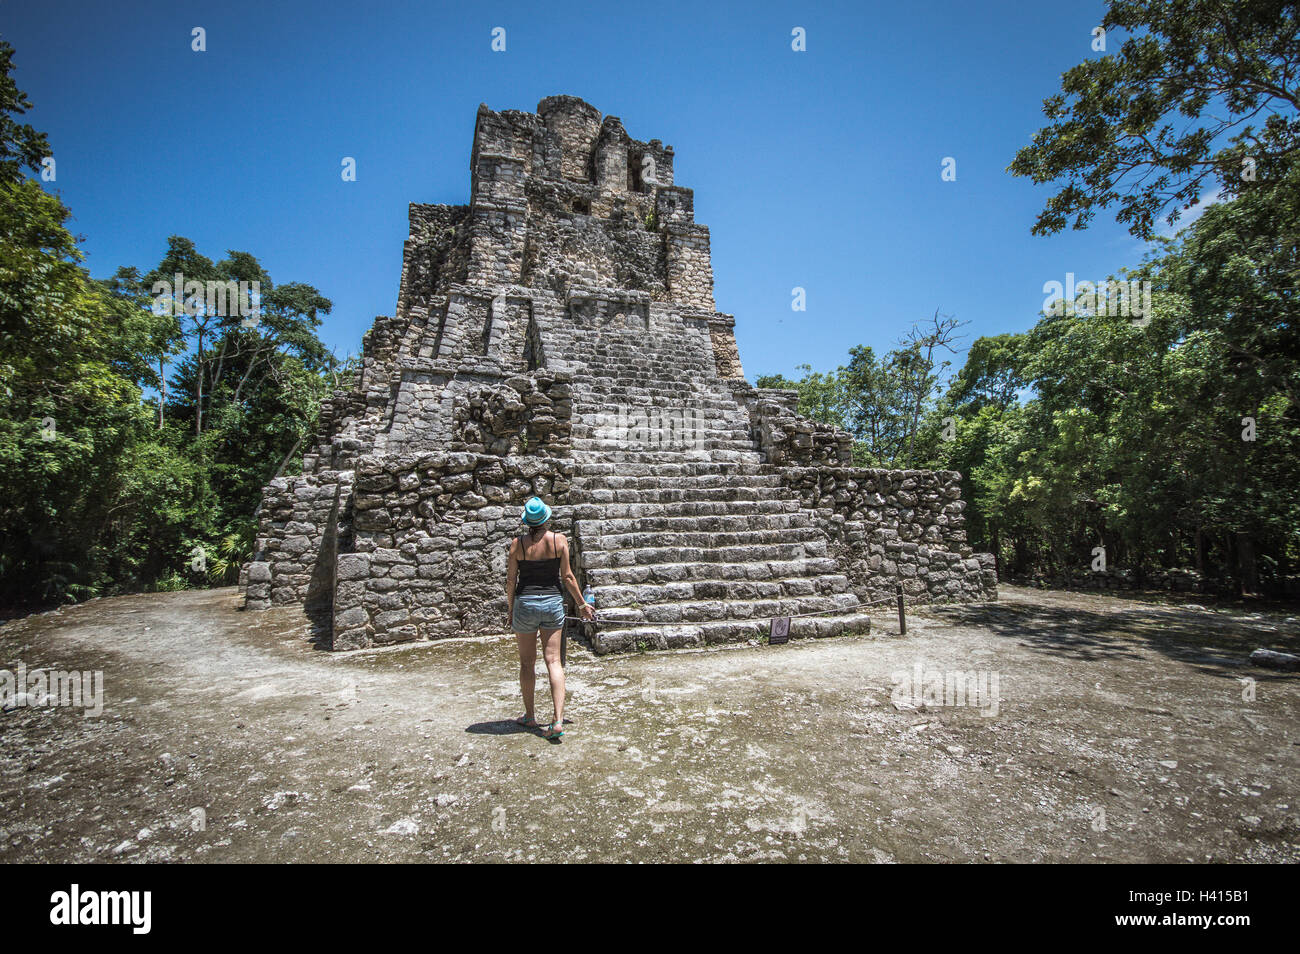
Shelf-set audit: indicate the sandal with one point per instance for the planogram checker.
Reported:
(528, 722)
(552, 734)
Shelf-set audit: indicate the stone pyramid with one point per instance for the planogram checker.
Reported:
(558, 336)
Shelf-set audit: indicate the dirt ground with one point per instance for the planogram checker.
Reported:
(1125, 731)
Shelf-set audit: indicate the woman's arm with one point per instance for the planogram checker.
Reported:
(571, 581)
(512, 571)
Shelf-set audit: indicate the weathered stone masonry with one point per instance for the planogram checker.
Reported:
(558, 336)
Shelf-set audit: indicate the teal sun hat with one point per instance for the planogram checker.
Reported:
(535, 512)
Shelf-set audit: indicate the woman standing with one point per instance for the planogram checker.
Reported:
(539, 567)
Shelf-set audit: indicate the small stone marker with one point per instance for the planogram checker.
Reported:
(780, 631)
(1273, 660)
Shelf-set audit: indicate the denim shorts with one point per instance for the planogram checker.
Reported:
(534, 611)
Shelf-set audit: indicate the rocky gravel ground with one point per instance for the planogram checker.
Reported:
(1122, 730)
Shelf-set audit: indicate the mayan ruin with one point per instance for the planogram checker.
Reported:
(558, 336)
(805, 434)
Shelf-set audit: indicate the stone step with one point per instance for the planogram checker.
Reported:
(697, 533)
(666, 527)
(655, 555)
(605, 359)
(715, 455)
(639, 346)
(648, 482)
(724, 609)
(643, 350)
(614, 639)
(674, 394)
(682, 508)
(596, 557)
(616, 370)
(725, 494)
(686, 451)
(620, 381)
(612, 472)
(680, 401)
(656, 420)
(636, 344)
(612, 436)
(625, 595)
(624, 428)
(709, 423)
(685, 406)
(591, 401)
(700, 539)
(671, 443)
(628, 378)
(602, 356)
(673, 572)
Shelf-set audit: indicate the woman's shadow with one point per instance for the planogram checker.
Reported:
(509, 727)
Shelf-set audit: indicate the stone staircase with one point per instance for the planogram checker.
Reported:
(678, 520)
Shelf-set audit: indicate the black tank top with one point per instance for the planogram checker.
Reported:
(538, 576)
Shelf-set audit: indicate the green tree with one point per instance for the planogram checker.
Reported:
(821, 396)
(103, 489)
(882, 402)
(1198, 88)
(69, 403)
(1199, 102)
(21, 146)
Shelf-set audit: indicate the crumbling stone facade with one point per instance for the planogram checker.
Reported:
(558, 336)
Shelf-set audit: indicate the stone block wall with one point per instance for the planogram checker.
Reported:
(561, 197)
(474, 323)
(577, 336)
(353, 419)
(786, 438)
(300, 523)
(726, 355)
(690, 265)
(498, 238)
(897, 526)
(661, 163)
(598, 308)
(482, 413)
(577, 125)
(530, 413)
(431, 537)
(567, 248)
(431, 250)
(610, 160)
(675, 205)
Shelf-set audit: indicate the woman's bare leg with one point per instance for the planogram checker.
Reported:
(555, 670)
(527, 669)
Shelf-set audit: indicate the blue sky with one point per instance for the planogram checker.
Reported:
(819, 169)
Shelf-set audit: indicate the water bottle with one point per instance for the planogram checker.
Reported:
(589, 597)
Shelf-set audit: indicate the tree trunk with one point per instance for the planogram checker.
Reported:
(1199, 544)
(1230, 558)
(1246, 562)
(239, 389)
(198, 387)
(287, 457)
